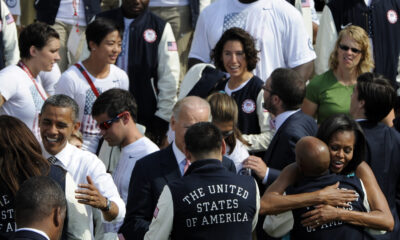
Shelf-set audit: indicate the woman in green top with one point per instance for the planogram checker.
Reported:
(330, 92)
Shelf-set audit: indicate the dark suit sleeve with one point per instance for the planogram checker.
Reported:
(228, 164)
(283, 156)
(272, 176)
(139, 208)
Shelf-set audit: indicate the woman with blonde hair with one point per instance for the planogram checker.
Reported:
(330, 92)
(224, 112)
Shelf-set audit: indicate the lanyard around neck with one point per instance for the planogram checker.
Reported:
(84, 73)
(30, 75)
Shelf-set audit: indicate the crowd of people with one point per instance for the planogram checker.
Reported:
(200, 119)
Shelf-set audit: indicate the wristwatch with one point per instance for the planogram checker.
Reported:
(108, 206)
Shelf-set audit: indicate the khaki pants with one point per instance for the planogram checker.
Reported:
(180, 20)
(66, 57)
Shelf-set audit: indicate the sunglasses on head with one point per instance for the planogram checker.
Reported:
(346, 48)
(107, 124)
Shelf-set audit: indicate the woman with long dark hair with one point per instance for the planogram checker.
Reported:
(20, 158)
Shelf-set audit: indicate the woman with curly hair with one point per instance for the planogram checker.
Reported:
(235, 53)
(330, 92)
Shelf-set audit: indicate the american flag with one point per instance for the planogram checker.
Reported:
(172, 46)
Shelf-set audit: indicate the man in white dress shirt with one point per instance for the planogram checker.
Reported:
(57, 121)
(115, 112)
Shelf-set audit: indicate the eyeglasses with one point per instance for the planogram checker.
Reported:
(107, 124)
(346, 48)
(226, 134)
(267, 89)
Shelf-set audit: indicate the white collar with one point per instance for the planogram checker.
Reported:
(33, 230)
(131, 146)
(62, 156)
(281, 118)
(178, 154)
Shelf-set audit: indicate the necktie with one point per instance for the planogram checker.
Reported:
(186, 165)
(52, 160)
(272, 124)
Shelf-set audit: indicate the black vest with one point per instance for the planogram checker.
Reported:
(381, 21)
(142, 60)
(208, 82)
(46, 10)
(246, 99)
(211, 202)
(335, 229)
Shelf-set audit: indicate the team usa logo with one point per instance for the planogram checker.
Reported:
(392, 16)
(150, 35)
(11, 3)
(248, 106)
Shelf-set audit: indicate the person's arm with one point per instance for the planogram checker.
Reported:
(193, 61)
(167, 85)
(90, 195)
(168, 74)
(379, 217)
(305, 70)
(325, 42)
(260, 142)
(139, 207)
(298, 51)
(161, 225)
(10, 36)
(309, 107)
(273, 201)
(200, 48)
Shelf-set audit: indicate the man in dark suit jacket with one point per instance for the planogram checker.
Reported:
(154, 171)
(372, 100)
(40, 210)
(284, 92)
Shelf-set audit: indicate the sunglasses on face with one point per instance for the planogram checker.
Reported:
(107, 124)
(346, 48)
(226, 134)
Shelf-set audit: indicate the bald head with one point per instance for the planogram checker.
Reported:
(312, 156)
(186, 112)
(191, 103)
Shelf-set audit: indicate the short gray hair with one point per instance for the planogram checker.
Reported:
(61, 100)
